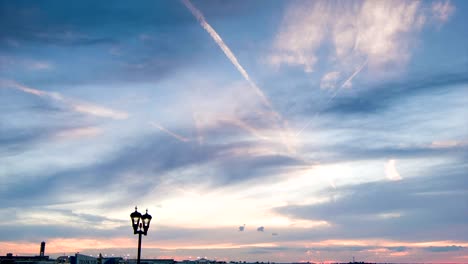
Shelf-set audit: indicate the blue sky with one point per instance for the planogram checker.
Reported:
(259, 130)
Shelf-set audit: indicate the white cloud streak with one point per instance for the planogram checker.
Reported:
(79, 132)
(77, 106)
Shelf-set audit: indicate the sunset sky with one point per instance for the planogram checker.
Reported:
(250, 130)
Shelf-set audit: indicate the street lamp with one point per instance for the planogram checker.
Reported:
(140, 224)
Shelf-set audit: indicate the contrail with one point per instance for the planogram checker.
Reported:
(215, 36)
(81, 107)
(170, 133)
(230, 55)
(240, 123)
(354, 74)
(358, 70)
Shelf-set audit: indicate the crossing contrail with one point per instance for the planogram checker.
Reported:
(244, 125)
(284, 131)
(170, 133)
(356, 72)
(227, 51)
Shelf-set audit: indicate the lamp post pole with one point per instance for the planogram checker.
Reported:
(140, 224)
(139, 248)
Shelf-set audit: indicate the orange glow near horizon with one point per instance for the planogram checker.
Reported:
(70, 245)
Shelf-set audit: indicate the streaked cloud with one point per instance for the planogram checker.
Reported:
(79, 132)
(75, 105)
(99, 111)
(378, 171)
(39, 65)
(448, 144)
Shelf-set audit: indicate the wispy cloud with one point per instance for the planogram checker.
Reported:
(442, 10)
(75, 105)
(330, 80)
(40, 65)
(97, 110)
(448, 144)
(382, 33)
(302, 31)
(79, 132)
(7, 62)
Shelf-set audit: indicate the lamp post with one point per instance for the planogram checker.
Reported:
(140, 224)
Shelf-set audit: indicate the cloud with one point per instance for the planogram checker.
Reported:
(16, 140)
(97, 110)
(8, 62)
(301, 33)
(372, 30)
(442, 10)
(79, 132)
(444, 249)
(332, 153)
(39, 65)
(448, 144)
(381, 35)
(391, 172)
(330, 80)
(77, 106)
(147, 163)
(383, 96)
(383, 31)
(429, 208)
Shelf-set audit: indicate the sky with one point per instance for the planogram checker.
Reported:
(277, 131)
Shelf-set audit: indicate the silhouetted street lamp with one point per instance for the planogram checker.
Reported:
(140, 224)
